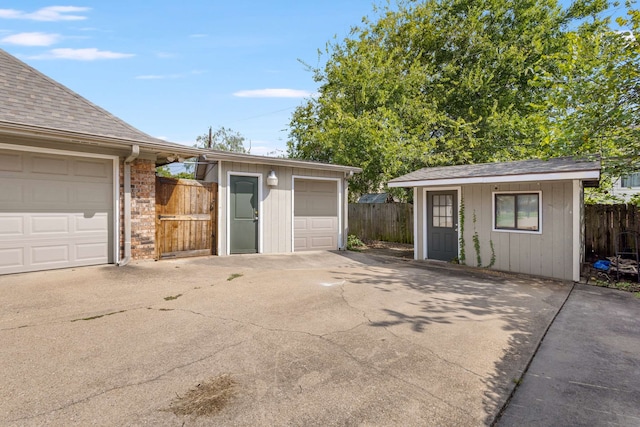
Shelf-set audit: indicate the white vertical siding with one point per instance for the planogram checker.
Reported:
(277, 204)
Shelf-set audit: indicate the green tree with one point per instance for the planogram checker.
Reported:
(595, 100)
(443, 82)
(224, 139)
(165, 171)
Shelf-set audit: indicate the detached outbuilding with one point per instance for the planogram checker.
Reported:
(522, 217)
(277, 205)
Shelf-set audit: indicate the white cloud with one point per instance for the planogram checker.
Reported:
(10, 13)
(32, 39)
(152, 77)
(89, 54)
(272, 93)
(51, 13)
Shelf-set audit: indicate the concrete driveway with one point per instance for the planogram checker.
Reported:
(326, 339)
(587, 370)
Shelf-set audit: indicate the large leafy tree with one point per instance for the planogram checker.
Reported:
(224, 139)
(442, 82)
(594, 101)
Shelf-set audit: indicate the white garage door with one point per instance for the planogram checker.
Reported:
(315, 215)
(55, 211)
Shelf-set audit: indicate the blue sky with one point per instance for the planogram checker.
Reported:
(172, 69)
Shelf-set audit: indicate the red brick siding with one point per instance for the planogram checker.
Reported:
(143, 209)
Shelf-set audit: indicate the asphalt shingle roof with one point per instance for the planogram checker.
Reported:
(536, 166)
(30, 98)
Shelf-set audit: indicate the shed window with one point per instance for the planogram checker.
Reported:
(517, 211)
(632, 180)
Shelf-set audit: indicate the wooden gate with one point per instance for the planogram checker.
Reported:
(185, 217)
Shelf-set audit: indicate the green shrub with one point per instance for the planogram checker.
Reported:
(353, 242)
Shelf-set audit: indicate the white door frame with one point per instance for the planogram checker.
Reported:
(228, 209)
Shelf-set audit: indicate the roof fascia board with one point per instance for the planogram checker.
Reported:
(555, 176)
(76, 137)
(277, 161)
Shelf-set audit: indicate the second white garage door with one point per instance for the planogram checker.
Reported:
(55, 211)
(315, 215)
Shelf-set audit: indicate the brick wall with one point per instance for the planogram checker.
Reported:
(143, 209)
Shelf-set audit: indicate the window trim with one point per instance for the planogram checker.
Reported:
(515, 230)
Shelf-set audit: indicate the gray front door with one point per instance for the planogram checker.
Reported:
(243, 214)
(442, 225)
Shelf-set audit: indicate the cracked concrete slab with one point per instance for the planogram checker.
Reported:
(311, 339)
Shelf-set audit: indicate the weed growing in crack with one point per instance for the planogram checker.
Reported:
(99, 316)
(234, 276)
(172, 297)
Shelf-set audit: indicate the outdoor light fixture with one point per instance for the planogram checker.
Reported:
(272, 179)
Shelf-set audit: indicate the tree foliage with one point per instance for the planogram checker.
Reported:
(224, 139)
(441, 82)
(165, 171)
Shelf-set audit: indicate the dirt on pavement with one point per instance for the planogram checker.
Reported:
(315, 338)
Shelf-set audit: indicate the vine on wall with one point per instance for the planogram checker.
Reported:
(476, 246)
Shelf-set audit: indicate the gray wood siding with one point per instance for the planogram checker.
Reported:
(276, 214)
(548, 254)
(419, 204)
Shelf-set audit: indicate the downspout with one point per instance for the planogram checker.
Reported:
(135, 152)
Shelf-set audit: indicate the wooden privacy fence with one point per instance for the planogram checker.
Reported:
(391, 222)
(604, 223)
(185, 217)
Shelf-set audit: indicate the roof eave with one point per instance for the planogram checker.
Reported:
(276, 161)
(29, 131)
(588, 175)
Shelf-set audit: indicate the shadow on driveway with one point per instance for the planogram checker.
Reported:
(310, 339)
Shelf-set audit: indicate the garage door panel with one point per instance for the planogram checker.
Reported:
(90, 193)
(48, 224)
(320, 186)
(11, 192)
(92, 169)
(300, 243)
(322, 224)
(56, 211)
(11, 258)
(49, 165)
(300, 223)
(98, 222)
(91, 251)
(49, 193)
(47, 254)
(322, 241)
(11, 225)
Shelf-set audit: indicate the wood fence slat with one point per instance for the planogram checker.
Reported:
(185, 218)
(393, 222)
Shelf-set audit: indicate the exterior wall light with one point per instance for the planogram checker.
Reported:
(272, 179)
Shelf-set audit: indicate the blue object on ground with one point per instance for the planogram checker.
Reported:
(602, 265)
